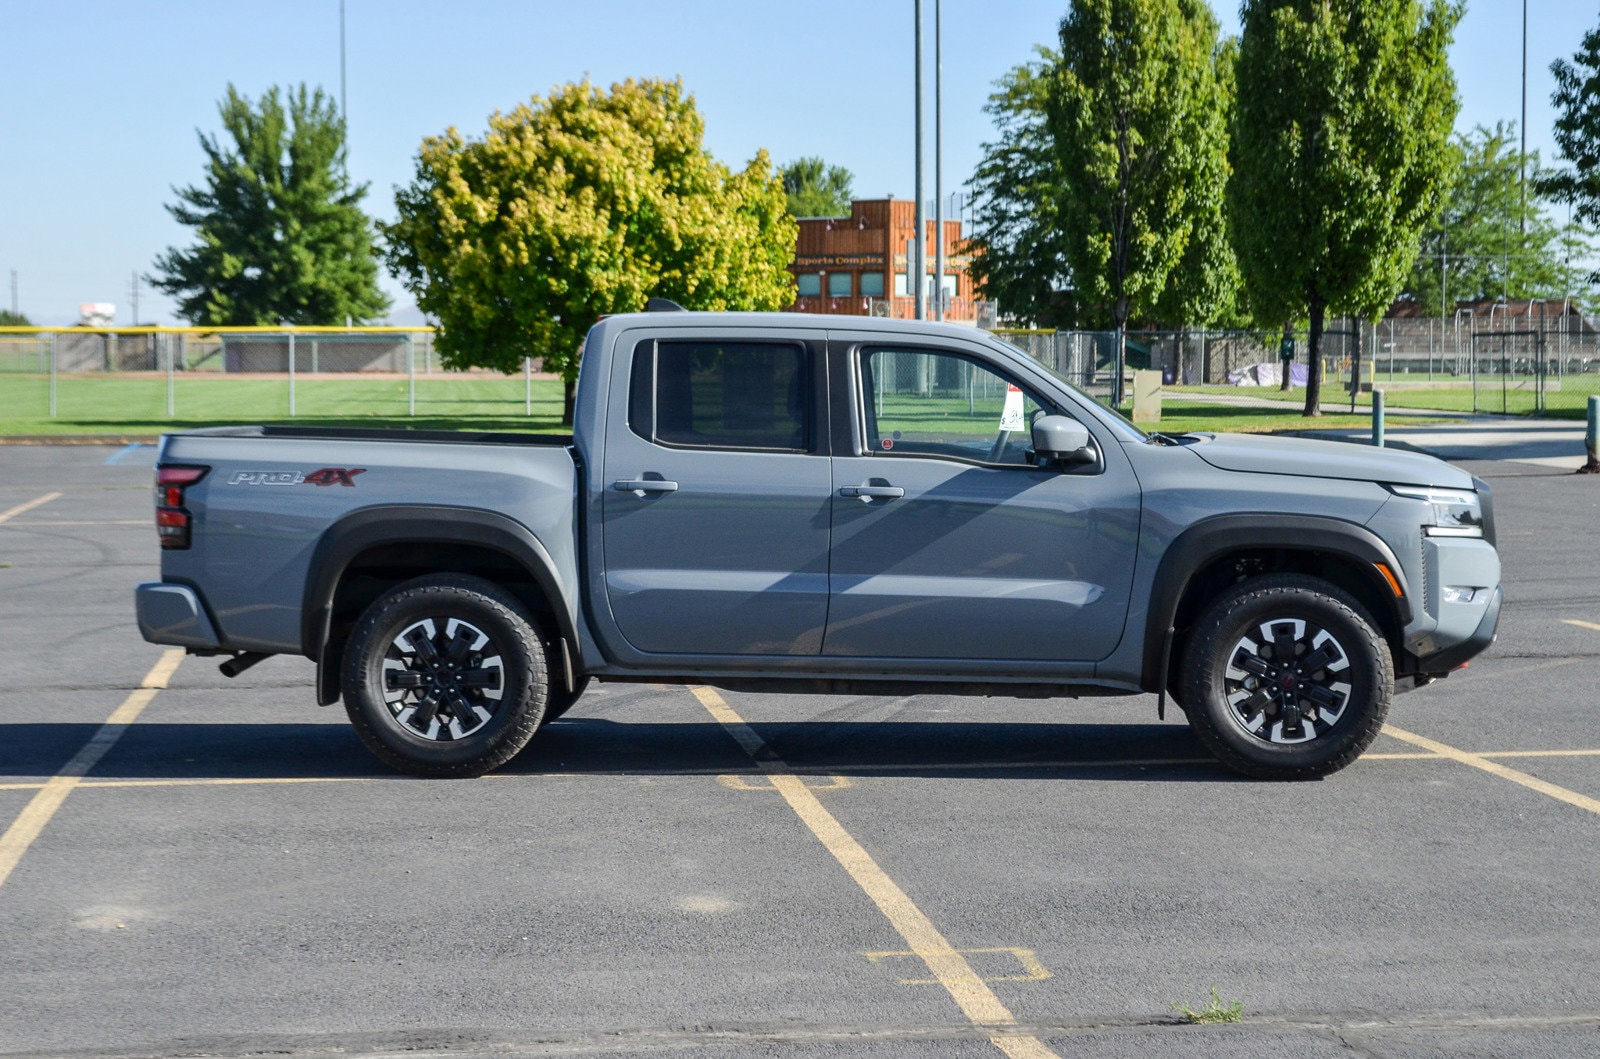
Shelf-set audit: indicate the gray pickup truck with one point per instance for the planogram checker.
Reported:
(824, 505)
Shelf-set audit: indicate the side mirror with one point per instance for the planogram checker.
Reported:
(1062, 438)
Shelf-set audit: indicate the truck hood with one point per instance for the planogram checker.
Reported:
(1325, 459)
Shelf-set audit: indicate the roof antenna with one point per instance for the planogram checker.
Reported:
(663, 305)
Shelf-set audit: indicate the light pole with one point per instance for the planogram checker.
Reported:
(1522, 159)
(344, 113)
(917, 267)
(938, 166)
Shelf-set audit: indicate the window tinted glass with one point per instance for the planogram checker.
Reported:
(941, 404)
(839, 284)
(729, 395)
(810, 284)
(872, 284)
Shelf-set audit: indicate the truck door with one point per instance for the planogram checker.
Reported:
(715, 513)
(947, 543)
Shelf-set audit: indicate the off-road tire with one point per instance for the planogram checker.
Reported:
(473, 607)
(1287, 735)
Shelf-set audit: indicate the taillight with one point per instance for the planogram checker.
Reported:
(172, 519)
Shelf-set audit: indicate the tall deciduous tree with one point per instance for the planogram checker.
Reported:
(1340, 153)
(1019, 258)
(813, 188)
(579, 205)
(1138, 115)
(1476, 247)
(1577, 101)
(281, 234)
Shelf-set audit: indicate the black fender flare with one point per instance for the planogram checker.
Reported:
(368, 527)
(1209, 538)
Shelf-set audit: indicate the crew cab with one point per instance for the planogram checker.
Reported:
(824, 505)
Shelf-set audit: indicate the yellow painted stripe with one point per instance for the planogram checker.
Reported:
(103, 522)
(1582, 624)
(970, 992)
(1494, 768)
(7, 516)
(26, 827)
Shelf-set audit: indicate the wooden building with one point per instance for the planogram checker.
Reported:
(857, 265)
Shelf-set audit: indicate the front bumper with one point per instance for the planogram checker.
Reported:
(173, 614)
(1442, 662)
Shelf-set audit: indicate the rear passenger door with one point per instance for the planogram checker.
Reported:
(715, 514)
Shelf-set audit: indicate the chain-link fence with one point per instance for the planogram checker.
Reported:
(1539, 357)
(111, 378)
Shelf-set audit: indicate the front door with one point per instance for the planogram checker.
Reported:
(716, 504)
(947, 543)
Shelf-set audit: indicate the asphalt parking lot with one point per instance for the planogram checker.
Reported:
(669, 869)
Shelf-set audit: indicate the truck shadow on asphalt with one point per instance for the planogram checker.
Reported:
(581, 746)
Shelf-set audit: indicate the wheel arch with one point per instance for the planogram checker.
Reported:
(366, 552)
(1221, 550)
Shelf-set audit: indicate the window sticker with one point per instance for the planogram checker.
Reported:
(1011, 417)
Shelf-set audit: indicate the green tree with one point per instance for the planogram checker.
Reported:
(281, 234)
(1138, 115)
(580, 205)
(1476, 245)
(11, 319)
(1340, 153)
(814, 188)
(1019, 258)
(1577, 101)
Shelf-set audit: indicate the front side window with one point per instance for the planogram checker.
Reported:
(721, 395)
(922, 403)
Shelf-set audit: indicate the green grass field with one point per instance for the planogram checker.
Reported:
(1569, 402)
(134, 405)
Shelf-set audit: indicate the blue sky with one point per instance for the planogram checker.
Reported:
(99, 102)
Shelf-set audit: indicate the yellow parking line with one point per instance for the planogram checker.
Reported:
(1480, 761)
(7, 516)
(26, 827)
(970, 992)
(1582, 624)
(27, 523)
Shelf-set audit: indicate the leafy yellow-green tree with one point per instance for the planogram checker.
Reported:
(1139, 118)
(1341, 153)
(580, 205)
(280, 234)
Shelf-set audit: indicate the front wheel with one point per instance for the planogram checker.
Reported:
(446, 676)
(1286, 677)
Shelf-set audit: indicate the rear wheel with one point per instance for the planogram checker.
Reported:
(1286, 677)
(446, 676)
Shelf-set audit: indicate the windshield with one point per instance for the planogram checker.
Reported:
(1109, 416)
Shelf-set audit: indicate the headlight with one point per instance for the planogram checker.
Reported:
(1455, 512)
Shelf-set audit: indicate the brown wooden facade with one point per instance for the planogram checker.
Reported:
(856, 265)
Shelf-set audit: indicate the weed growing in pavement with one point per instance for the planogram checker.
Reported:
(1214, 1012)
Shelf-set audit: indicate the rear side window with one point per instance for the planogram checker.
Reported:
(722, 395)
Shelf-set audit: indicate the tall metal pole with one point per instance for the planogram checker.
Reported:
(918, 268)
(291, 374)
(411, 376)
(14, 310)
(52, 374)
(1522, 228)
(344, 113)
(938, 166)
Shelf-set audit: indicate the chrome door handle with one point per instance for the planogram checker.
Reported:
(868, 492)
(641, 486)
